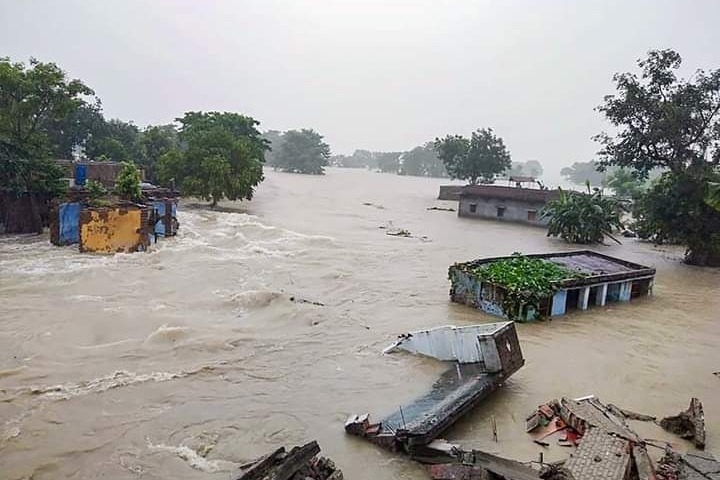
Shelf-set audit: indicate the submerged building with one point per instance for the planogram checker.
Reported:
(514, 204)
(592, 279)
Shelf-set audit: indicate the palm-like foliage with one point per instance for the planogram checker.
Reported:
(584, 217)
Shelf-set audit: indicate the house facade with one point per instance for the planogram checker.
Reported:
(513, 204)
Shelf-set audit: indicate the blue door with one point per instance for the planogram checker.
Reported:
(69, 223)
(80, 174)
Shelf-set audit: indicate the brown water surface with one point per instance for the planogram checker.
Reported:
(187, 361)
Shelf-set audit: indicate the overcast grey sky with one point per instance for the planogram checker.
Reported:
(371, 74)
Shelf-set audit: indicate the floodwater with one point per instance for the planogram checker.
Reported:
(190, 360)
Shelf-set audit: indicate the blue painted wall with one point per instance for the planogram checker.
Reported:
(159, 206)
(558, 303)
(80, 174)
(69, 223)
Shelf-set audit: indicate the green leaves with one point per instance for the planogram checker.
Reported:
(221, 156)
(127, 183)
(480, 158)
(583, 217)
(302, 151)
(526, 281)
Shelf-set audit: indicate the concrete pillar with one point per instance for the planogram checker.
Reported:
(601, 297)
(583, 298)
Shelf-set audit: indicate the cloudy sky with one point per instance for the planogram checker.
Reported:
(371, 74)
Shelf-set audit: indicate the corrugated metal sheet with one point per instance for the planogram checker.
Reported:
(69, 223)
(471, 344)
(114, 229)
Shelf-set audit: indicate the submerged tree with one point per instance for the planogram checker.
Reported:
(302, 151)
(422, 161)
(672, 124)
(388, 162)
(583, 217)
(481, 157)
(220, 156)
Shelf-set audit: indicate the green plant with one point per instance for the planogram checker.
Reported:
(127, 183)
(96, 194)
(526, 281)
(583, 217)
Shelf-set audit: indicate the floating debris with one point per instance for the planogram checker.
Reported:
(688, 424)
(300, 463)
(442, 209)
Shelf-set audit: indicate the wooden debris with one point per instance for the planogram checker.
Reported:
(689, 424)
(442, 209)
(300, 463)
(629, 414)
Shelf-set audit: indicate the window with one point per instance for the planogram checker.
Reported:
(473, 207)
(500, 212)
(532, 215)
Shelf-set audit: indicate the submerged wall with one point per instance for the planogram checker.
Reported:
(65, 224)
(114, 229)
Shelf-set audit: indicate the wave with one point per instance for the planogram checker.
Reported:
(120, 378)
(255, 298)
(168, 334)
(195, 459)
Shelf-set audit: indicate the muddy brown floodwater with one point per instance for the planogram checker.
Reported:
(187, 361)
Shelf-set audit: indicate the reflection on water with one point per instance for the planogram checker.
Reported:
(192, 359)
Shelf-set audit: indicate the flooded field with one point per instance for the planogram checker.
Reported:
(197, 357)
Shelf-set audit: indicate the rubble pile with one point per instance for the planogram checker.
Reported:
(300, 463)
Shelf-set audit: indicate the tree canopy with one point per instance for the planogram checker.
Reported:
(531, 168)
(579, 173)
(220, 156)
(664, 122)
(481, 157)
(422, 161)
(302, 151)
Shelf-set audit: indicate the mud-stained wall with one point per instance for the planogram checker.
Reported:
(111, 230)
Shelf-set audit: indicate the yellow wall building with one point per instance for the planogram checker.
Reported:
(114, 229)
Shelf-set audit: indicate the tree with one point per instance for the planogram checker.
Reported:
(625, 183)
(583, 217)
(274, 139)
(154, 142)
(303, 151)
(673, 124)
(580, 173)
(480, 158)
(32, 99)
(127, 183)
(117, 141)
(422, 161)
(712, 197)
(220, 155)
(388, 162)
(533, 168)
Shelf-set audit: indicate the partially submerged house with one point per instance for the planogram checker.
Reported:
(526, 287)
(122, 228)
(514, 204)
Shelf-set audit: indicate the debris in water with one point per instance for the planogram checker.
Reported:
(370, 204)
(300, 463)
(399, 233)
(303, 300)
(442, 209)
(688, 424)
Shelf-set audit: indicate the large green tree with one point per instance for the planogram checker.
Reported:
(302, 151)
(221, 155)
(154, 142)
(33, 98)
(116, 141)
(479, 158)
(663, 122)
(274, 139)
